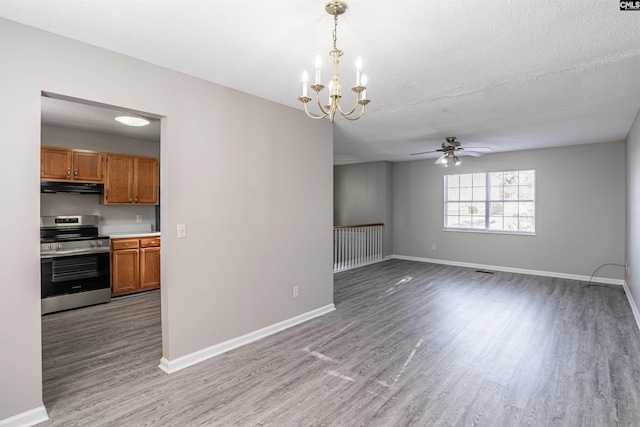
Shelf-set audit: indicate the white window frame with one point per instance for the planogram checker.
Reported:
(487, 205)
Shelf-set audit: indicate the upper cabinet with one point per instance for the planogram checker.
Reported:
(131, 180)
(63, 164)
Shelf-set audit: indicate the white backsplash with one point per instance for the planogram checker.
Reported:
(117, 218)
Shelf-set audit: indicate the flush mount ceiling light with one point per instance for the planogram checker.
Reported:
(132, 121)
(335, 8)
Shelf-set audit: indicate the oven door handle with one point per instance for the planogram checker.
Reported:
(58, 278)
(74, 252)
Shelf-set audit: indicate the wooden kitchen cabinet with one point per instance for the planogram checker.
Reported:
(64, 164)
(135, 265)
(149, 263)
(131, 180)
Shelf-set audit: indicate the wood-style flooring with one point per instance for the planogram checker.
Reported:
(409, 344)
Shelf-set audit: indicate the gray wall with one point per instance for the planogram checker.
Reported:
(363, 194)
(633, 213)
(256, 198)
(579, 222)
(70, 204)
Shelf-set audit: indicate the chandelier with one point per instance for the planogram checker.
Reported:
(335, 8)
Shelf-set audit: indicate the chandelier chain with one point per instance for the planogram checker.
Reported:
(335, 31)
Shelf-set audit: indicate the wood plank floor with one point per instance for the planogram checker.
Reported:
(409, 344)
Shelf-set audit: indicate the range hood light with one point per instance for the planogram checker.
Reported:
(132, 121)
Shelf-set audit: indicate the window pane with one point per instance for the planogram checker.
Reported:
(510, 224)
(466, 193)
(527, 209)
(453, 181)
(453, 208)
(479, 193)
(526, 177)
(496, 223)
(510, 192)
(526, 192)
(511, 209)
(453, 194)
(465, 221)
(452, 221)
(511, 178)
(466, 180)
(497, 193)
(526, 223)
(478, 209)
(479, 180)
(496, 209)
(497, 179)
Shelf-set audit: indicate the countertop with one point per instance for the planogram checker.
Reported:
(132, 235)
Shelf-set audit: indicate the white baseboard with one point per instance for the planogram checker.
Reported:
(604, 280)
(632, 303)
(171, 366)
(26, 419)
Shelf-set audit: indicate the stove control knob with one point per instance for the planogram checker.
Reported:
(59, 245)
(93, 244)
(46, 246)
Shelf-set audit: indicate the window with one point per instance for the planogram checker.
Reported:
(492, 201)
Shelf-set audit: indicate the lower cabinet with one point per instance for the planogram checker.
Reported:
(135, 265)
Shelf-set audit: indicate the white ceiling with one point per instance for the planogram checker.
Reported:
(504, 74)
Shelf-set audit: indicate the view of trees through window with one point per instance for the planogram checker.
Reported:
(492, 201)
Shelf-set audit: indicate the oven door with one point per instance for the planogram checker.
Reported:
(72, 274)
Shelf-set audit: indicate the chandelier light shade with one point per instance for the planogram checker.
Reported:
(334, 106)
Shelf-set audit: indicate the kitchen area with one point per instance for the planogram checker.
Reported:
(99, 205)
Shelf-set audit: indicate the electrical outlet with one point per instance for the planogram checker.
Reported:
(138, 218)
(296, 291)
(433, 247)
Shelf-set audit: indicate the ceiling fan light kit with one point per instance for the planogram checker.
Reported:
(334, 106)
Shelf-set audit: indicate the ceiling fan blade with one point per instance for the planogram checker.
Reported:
(439, 161)
(479, 149)
(471, 153)
(423, 152)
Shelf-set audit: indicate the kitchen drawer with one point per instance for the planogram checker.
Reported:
(120, 244)
(149, 242)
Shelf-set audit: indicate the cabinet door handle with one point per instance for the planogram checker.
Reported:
(75, 172)
(130, 201)
(136, 200)
(68, 171)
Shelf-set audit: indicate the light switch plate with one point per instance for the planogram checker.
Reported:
(182, 231)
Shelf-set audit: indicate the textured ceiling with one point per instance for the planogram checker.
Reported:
(503, 74)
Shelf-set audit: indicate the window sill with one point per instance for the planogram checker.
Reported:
(472, 230)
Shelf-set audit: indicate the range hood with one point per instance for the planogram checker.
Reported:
(71, 187)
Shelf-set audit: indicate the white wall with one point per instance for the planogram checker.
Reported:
(256, 198)
(632, 277)
(580, 217)
(363, 194)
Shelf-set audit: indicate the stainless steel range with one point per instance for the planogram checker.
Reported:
(74, 263)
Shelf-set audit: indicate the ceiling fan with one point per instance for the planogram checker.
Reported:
(451, 149)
